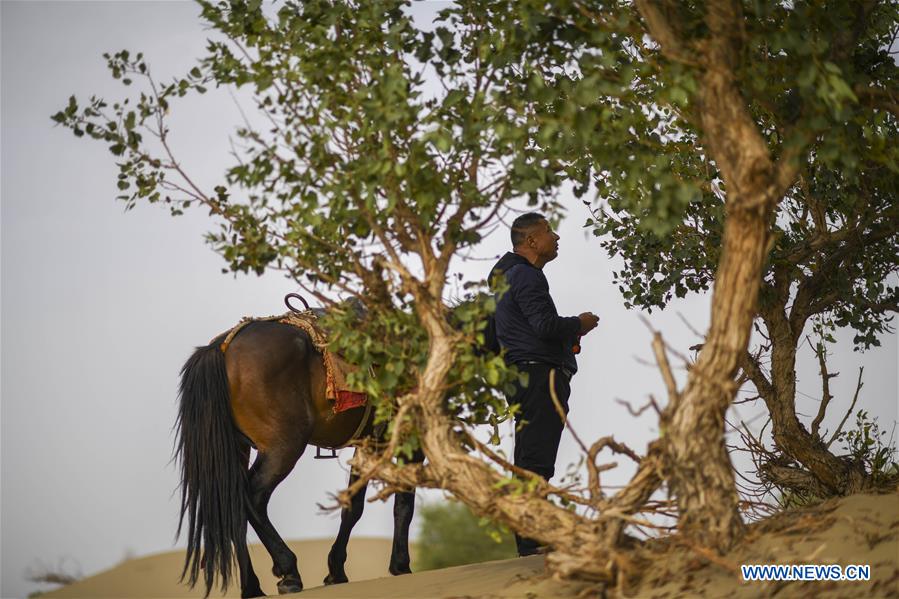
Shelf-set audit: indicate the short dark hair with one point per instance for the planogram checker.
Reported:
(523, 224)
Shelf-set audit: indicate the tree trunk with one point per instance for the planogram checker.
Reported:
(701, 474)
(837, 476)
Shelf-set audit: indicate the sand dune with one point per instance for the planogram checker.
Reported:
(157, 575)
(862, 529)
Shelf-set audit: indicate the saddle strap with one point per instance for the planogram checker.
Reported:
(357, 434)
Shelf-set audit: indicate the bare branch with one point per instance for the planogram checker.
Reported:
(639, 412)
(658, 348)
(752, 368)
(825, 383)
(858, 388)
(543, 488)
(687, 324)
(385, 456)
(593, 471)
(638, 490)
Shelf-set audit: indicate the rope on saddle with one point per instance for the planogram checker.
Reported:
(240, 325)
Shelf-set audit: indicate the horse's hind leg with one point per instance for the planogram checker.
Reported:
(348, 518)
(249, 582)
(269, 469)
(403, 508)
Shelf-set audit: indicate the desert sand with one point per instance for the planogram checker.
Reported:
(862, 529)
(157, 575)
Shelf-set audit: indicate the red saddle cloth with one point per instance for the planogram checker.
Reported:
(347, 400)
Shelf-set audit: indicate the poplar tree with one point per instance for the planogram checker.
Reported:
(818, 80)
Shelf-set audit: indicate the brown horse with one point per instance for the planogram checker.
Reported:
(267, 391)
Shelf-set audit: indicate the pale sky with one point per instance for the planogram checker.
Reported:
(100, 308)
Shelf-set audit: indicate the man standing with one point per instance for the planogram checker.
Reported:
(537, 340)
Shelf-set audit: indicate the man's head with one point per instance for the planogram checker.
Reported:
(534, 239)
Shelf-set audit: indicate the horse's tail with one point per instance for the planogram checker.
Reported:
(213, 472)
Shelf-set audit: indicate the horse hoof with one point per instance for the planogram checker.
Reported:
(252, 590)
(332, 579)
(290, 585)
(400, 571)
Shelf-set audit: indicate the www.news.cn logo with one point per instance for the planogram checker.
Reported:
(805, 572)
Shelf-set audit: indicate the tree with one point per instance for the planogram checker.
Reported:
(359, 183)
(453, 536)
(823, 70)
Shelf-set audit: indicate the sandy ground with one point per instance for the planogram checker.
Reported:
(862, 529)
(857, 530)
(157, 575)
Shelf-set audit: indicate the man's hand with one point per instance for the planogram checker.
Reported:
(589, 320)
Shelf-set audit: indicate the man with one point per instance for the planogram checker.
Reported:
(537, 340)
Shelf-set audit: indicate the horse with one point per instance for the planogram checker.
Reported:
(266, 391)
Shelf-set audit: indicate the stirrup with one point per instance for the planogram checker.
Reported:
(325, 456)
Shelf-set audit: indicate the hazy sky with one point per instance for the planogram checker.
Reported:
(100, 309)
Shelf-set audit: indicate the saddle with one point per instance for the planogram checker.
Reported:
(336, 368)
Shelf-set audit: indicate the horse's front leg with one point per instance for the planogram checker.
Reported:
(403, 509)
(348, 518)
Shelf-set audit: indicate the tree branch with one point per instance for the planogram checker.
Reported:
(808, 300)
(825, 382)
(663, 25)
(858, 387)
(794, 479)
(593, 485)
(752, 368)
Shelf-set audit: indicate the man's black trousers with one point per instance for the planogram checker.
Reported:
(538, 427)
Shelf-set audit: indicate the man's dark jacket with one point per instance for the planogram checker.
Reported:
(528, 326)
